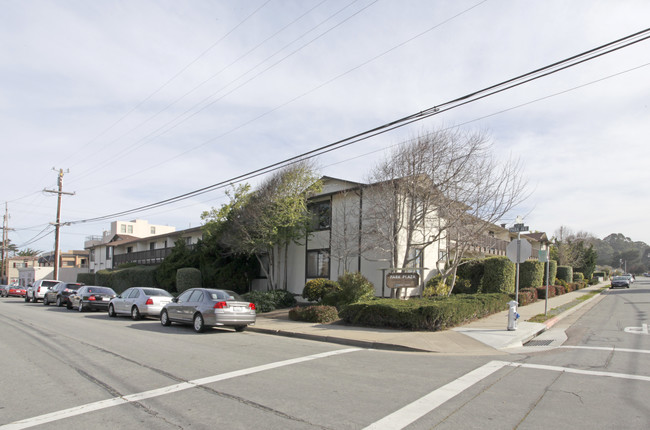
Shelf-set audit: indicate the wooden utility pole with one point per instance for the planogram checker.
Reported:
(5, 251)
(57, 224)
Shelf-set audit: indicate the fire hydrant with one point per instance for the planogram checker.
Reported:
(513, 316)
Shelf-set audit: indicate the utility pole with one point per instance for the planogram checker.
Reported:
(57, 224)
(5, 251)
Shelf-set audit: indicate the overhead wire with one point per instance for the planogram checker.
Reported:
(401, 122)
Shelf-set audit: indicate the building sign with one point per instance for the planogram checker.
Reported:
(402, 280)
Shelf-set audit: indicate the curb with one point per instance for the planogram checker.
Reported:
(338, 340)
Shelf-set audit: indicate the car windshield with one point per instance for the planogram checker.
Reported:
(156, 292)
(224, 295)
(620, 278)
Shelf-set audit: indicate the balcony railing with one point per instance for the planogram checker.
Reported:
(145, 258)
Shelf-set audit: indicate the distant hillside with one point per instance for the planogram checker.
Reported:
(616, 247)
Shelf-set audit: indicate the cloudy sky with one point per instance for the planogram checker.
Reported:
(145, 100)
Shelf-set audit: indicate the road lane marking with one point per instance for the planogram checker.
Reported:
(424, 405)
(607, 348)
(637, 330)
(115, 401)
(410, 413)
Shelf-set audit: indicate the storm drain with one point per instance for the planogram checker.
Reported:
(539, 342)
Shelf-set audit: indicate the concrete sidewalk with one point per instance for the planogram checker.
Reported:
(485, 336)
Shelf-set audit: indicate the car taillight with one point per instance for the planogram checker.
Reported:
(252, 306)
(92, 298)
(39, 290)
(220, 305)
(149, 301)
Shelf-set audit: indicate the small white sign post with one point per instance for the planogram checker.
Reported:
(518, 251)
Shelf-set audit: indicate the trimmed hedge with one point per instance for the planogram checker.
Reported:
(541, 292)
(267, 301)
(186, 278)
(531, 274)
(552, 272)
(122, 279)
(498, 276)
(565, 273)
(315, 314)
(527, 296)
(472, 272)
(578, 277)
(432, 314)
(86, 278)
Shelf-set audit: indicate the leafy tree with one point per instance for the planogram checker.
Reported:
(263, 223)
(28, 252)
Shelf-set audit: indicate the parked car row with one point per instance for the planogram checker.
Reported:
(199, 307)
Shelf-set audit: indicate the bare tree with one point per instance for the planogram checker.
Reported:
(345, 233)
(442, 187)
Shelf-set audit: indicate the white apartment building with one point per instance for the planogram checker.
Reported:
(101, 248)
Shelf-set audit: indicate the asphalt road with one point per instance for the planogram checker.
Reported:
(65, 369)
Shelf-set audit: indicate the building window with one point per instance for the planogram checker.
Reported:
(415, 257)
(318, 264)
(108, 252)
(130, 229)
(321, 215)
(152, 245)
(129, 249)
(122, 228)
(153, 230)
(188, 240)
(165, 244)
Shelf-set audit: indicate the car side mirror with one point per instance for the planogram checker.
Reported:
(175, 300)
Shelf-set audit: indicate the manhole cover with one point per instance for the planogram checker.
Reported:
(539, 342)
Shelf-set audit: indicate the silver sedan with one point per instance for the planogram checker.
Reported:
(139, 302)
(206, 307)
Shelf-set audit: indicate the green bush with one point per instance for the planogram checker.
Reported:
(86, 278)
(354, 287)
(565, 273)
(541, 292)
(267, 301)
(498, 276)
(316, 289)
(432, 314)
(560, 289)
(186, 278)
(552, 271)
(471, 273)
(578, 277)
(315, 314)
(433, 289)
(527, 296)
(531, 274)
(122, 279)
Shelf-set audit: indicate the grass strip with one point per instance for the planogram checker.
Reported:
(540, 318)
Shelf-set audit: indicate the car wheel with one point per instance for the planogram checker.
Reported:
(111, 311)
(135, 313)
(45, 302)
(59, 302)
(81, 306)
(199, 324)
(164, 319)
(240, 328)
(26, 299)
(68, 305)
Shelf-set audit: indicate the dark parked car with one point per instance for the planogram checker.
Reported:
(60, 292)
(621, 281)
(206, 307)
(91, 298)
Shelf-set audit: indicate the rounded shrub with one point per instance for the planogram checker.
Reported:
(316, 314)
(498, 276)
(316, 289)
(565, 273)
(354, 287)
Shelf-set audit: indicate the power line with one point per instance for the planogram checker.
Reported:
(401, 122)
